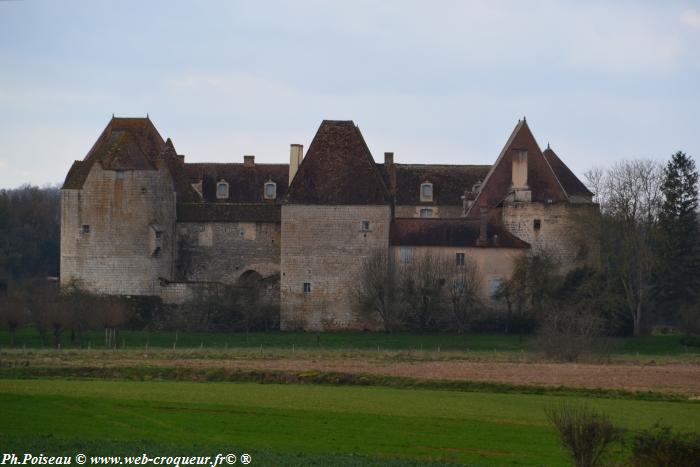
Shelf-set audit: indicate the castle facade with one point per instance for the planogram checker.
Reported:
(137, 219)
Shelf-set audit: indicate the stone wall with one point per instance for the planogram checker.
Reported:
(177, 293)
(441, 211)
(109, 243)
(325, 246)
(222, 251)
(494, 265)
(560, 225)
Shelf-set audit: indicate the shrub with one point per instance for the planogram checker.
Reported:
(567, 333)
(584, 432)
(690, 341)
(661, 447)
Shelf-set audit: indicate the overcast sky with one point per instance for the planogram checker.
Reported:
(433, 81)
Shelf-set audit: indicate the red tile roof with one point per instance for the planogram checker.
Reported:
(125, 144)
(338, 169)
(543, 183)
(572, 185)
(449, 233)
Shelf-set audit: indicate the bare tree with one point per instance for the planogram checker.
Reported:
(115, 314)
(631, 200)
(376, 289)
(568, 331)
(422, 285)
(586, 433)
(595, 182)
(13, 313)
(46, 309)
(81, 308)
(463, 292)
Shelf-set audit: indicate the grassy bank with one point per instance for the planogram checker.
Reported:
(316, 420)
(190, 374)
(30, 338)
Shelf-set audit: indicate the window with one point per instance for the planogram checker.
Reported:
(156, 239)
(365, 226)
(222, 190)
(459, 259)
(307, 287)
(120, 174)
(270, 190)
(85, 229)
(406, 254)
(537, 224)
(426, 191)
(494, 285)
(459, 286)
(426, 212)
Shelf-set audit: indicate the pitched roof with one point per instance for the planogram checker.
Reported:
(228, 212)
(449, 232)
(543, 183)
(449, 181)
(338, 169)
(246, 183)
(125, 144)
(570, 182)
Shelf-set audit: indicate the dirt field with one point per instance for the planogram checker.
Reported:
(682, 377)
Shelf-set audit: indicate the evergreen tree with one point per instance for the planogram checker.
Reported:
(678, 274)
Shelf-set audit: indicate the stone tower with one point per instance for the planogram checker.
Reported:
(535, 196)
(118, 211)
(336, 213)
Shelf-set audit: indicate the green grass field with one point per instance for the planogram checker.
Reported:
(302, 424)
(651, 345)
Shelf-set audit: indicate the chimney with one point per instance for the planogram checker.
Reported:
(483, 227)
(391, 172)
(248, 161)
(296, 154)
(521, 191)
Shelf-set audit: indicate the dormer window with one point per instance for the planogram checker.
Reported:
(426, 191)
(222, 189)
(270, 190)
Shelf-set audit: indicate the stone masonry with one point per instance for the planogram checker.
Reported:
(136, 219)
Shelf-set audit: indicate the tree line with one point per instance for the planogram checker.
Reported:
(29, 233)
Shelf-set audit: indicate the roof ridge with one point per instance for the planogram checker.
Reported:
(373, 163)
(509, 141)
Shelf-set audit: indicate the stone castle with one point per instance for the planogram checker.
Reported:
(136, 219)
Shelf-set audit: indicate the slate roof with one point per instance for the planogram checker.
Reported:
(338, 169)
(570, 182)
(246, 183)
(449, 181)
(449, 233)
(228, 212)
